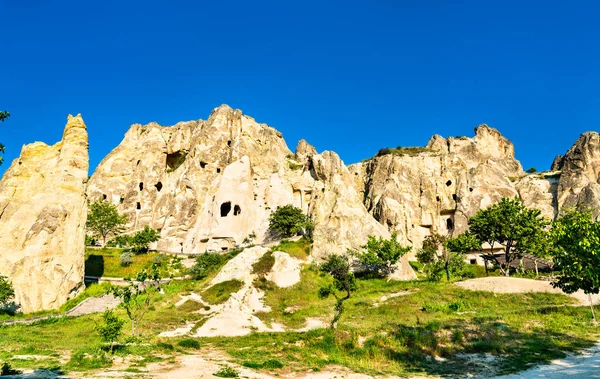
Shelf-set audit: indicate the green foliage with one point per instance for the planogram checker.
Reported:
(269, 364)
(88, 359)
(531, 170)
(136, 296)
(7, 292)
(104, 219)
(440, 254)
(519, 229)
(338, 267)
(576, 238)
(399, 150)
(4, 115)
(289, 221)
(110, 328)
(125, 259)
(206, 264)
(295, 166)
(264, 265)
(189, 344)
(299, 249)
(6, 369)
(140, 240)
(381, 255)
(463, 243)
(220, 292)
(227, 372)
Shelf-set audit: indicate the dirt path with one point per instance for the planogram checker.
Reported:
(502, 284)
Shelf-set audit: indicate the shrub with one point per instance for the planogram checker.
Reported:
(220, 292)
(7, 292)
(189, 344)
(227, 372)
(6, 370)
(380, 256)
(110, 328)
(206, 264)
(159, 259)
(125, 259)
(289, 221)
(141, 240)
(264, 265)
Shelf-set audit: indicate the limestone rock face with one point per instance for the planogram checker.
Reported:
(208, 185)
(436, 189)
(43, 203)
(578, 185)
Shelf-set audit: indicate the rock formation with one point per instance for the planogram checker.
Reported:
(42, 216)
(208, 185)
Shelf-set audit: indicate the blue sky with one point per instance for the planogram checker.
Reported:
(347, 76)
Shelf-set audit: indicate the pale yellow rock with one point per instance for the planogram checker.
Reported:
(42, 218)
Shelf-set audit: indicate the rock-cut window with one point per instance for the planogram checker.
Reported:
(237, 210)
(225, 208)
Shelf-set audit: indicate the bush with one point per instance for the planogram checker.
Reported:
(189, 344)
(206, 264)
(125, 259)
(220, 292)
(227, 372)
(159, 259)
(7, 292)
(110, 328)
(6, 370)
(141, 240)
(289, 221)
(264, 265)
(380, 255)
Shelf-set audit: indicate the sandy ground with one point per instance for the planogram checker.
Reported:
(502, 284)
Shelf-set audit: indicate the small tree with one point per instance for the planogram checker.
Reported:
(104, 219)
(110, 328)
(289, 221)
(136, 296)
(3, 116)
(576, 239)
(531, 170)
(140, 241)
(381, 255)
(7, 293)
(343, 280)
(519, 229)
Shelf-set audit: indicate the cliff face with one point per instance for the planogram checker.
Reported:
(208, 185)
(417, 192)
(42, 217)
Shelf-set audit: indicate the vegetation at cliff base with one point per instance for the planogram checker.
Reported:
(103, 220)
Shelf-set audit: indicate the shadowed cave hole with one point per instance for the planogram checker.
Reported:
(449, 224)
(138, 206)
(202, 164)
(454, 197)
(104, 196)
(218, 170)
(141, 186)
(175, 159)
(225, 208)
(121, 200)
(229, 143)
(158, 186)
(449, 183)
(237, 210)
(470, 189)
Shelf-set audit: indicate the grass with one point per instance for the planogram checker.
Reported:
(410, 151)
(399, 336)
(220, 292)
(297, 249)
(105, 262)
(264, 265)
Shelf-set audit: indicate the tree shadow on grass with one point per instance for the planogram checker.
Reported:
(94, 265)
(480, 346)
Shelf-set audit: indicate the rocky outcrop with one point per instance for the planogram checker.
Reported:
(42, 216)
(419, 191)
(578, 186)
(208, 185)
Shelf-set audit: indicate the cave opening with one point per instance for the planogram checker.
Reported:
(141, 186)
(449, 224)
(202, 164)
(121, 200)
(218, 170)
(225, 208)
(138, 206)
(454, 197)
(229, 143)
(237, 210)
(104, 196)
(470, 189)
(449, 183)
(158, 186)
(175, 159)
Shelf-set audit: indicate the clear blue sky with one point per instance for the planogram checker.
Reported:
(347, 76)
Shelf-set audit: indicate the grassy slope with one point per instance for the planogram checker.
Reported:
(400, 335)
(105, 262)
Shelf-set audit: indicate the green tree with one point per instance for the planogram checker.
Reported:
(136, 296)
(206, 264)
(531, 170)
(140, 240)
(110, 328)
(7, 293)
(289, 221)
(338, 267)
(104, 219)
(509, 223)
(441, 254)
(576, 240)
(380, 255)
